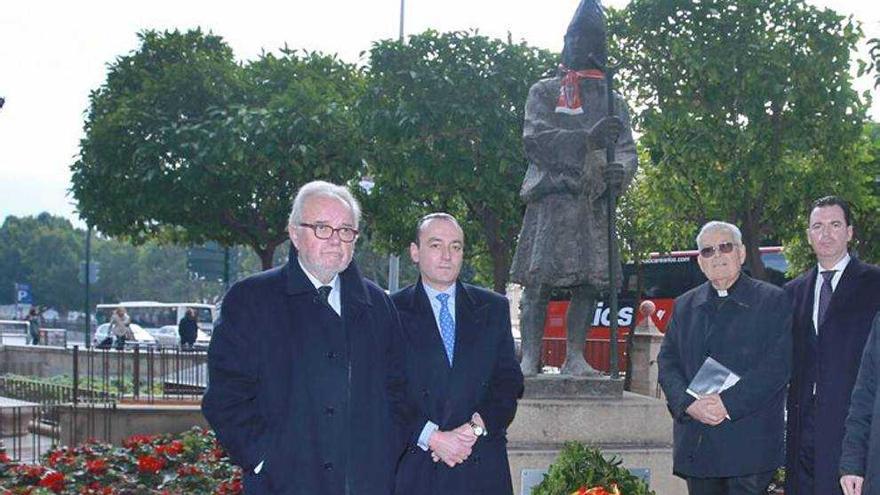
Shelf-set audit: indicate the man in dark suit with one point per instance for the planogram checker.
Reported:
(834, 306)
(727, 439)
(306, 388)
(462, 375)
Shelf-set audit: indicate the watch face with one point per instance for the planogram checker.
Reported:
(479, 431)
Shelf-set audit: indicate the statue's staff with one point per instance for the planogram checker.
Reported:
(614, 175)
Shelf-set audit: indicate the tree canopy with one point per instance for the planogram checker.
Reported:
(746, 112)
(444, 117)
(185, 142)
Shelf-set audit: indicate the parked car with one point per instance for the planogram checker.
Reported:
(142, 338)
(168, 336)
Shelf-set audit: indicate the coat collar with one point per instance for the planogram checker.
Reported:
(740, 292)
(352, 283)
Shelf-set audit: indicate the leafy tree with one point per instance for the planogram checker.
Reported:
(42, 251)
(184, 143)
(747, 111)
(444, 113)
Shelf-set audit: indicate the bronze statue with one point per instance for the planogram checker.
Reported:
(564, 238)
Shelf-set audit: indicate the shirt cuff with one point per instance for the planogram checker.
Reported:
(427, 431)
(259, 467)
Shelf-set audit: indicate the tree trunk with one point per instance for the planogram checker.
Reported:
(752, 240)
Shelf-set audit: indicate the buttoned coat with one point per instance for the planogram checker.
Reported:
(315, 397)
(485, 378)
(756, 345)
(860, 454)
(840, 342)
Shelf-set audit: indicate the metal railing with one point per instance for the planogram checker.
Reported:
(28, 431)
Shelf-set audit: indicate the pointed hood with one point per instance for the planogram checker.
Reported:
(586, 35)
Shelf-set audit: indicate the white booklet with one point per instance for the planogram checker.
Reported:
(712, 378)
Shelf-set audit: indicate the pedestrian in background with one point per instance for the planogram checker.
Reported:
(188, 328)
(33, 319)
(119, 327)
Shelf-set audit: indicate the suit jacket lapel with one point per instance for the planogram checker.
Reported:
(469, 321)
(809, 301)
(846, 287)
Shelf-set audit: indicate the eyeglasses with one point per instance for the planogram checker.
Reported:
(723, 248)
(324, 232)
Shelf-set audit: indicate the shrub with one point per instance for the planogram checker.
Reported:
(192, 462)
(583, 470)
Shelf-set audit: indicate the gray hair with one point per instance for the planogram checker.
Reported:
(434, 216)
(323, 189)
(717, 226)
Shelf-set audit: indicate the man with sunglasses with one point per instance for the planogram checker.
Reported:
(728, 438)
(835, 303)
(306, 388)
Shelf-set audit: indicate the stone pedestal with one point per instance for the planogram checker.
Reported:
(572, 387)
(635, 428)
(646, 342)
(645, 347)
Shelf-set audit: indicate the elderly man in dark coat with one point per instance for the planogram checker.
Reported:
(860, 454)
(306, 387)
(834, 303)
(727, 439)
(564, 238)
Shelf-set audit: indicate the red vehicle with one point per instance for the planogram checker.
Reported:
(661, 278)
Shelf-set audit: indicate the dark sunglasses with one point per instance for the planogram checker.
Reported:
(723, 248)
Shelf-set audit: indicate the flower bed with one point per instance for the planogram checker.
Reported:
(192, 462)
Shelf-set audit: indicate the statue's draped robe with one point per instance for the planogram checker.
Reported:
(564, 236)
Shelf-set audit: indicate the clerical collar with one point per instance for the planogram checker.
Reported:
(729, 290)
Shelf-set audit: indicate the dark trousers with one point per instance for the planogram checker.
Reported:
(752, 484)
(120, 342)
(803, 480)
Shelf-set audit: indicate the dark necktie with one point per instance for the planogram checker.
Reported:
(824, 296)
(325, 290)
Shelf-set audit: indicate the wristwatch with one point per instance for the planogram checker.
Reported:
(478, 430)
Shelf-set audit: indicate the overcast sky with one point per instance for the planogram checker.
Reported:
(53, 53)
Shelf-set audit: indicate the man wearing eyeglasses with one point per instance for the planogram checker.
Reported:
(835, 303)
(727, 430)
(306, 388)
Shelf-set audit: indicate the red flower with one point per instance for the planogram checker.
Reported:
(150, 464)
(232, 487)
(34, 471)
(170, 449)
(52, 480)
(96, 466)
(188, 470)
(136, 441)
(4, 459)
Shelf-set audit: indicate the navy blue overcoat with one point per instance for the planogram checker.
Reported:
(840, 342)
(317, 399)
(755, 343)
(485, 378)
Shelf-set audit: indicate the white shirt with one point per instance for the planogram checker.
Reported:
(839, 267)
(335, 298)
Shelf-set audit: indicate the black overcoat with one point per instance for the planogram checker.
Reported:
(755, 343)
(485, 378)
(860, 454)
(318, 399)
(841, 341)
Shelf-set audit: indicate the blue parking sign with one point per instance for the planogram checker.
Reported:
(23, 294)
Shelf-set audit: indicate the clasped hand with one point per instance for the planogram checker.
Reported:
(708, 410)
(454, 447)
